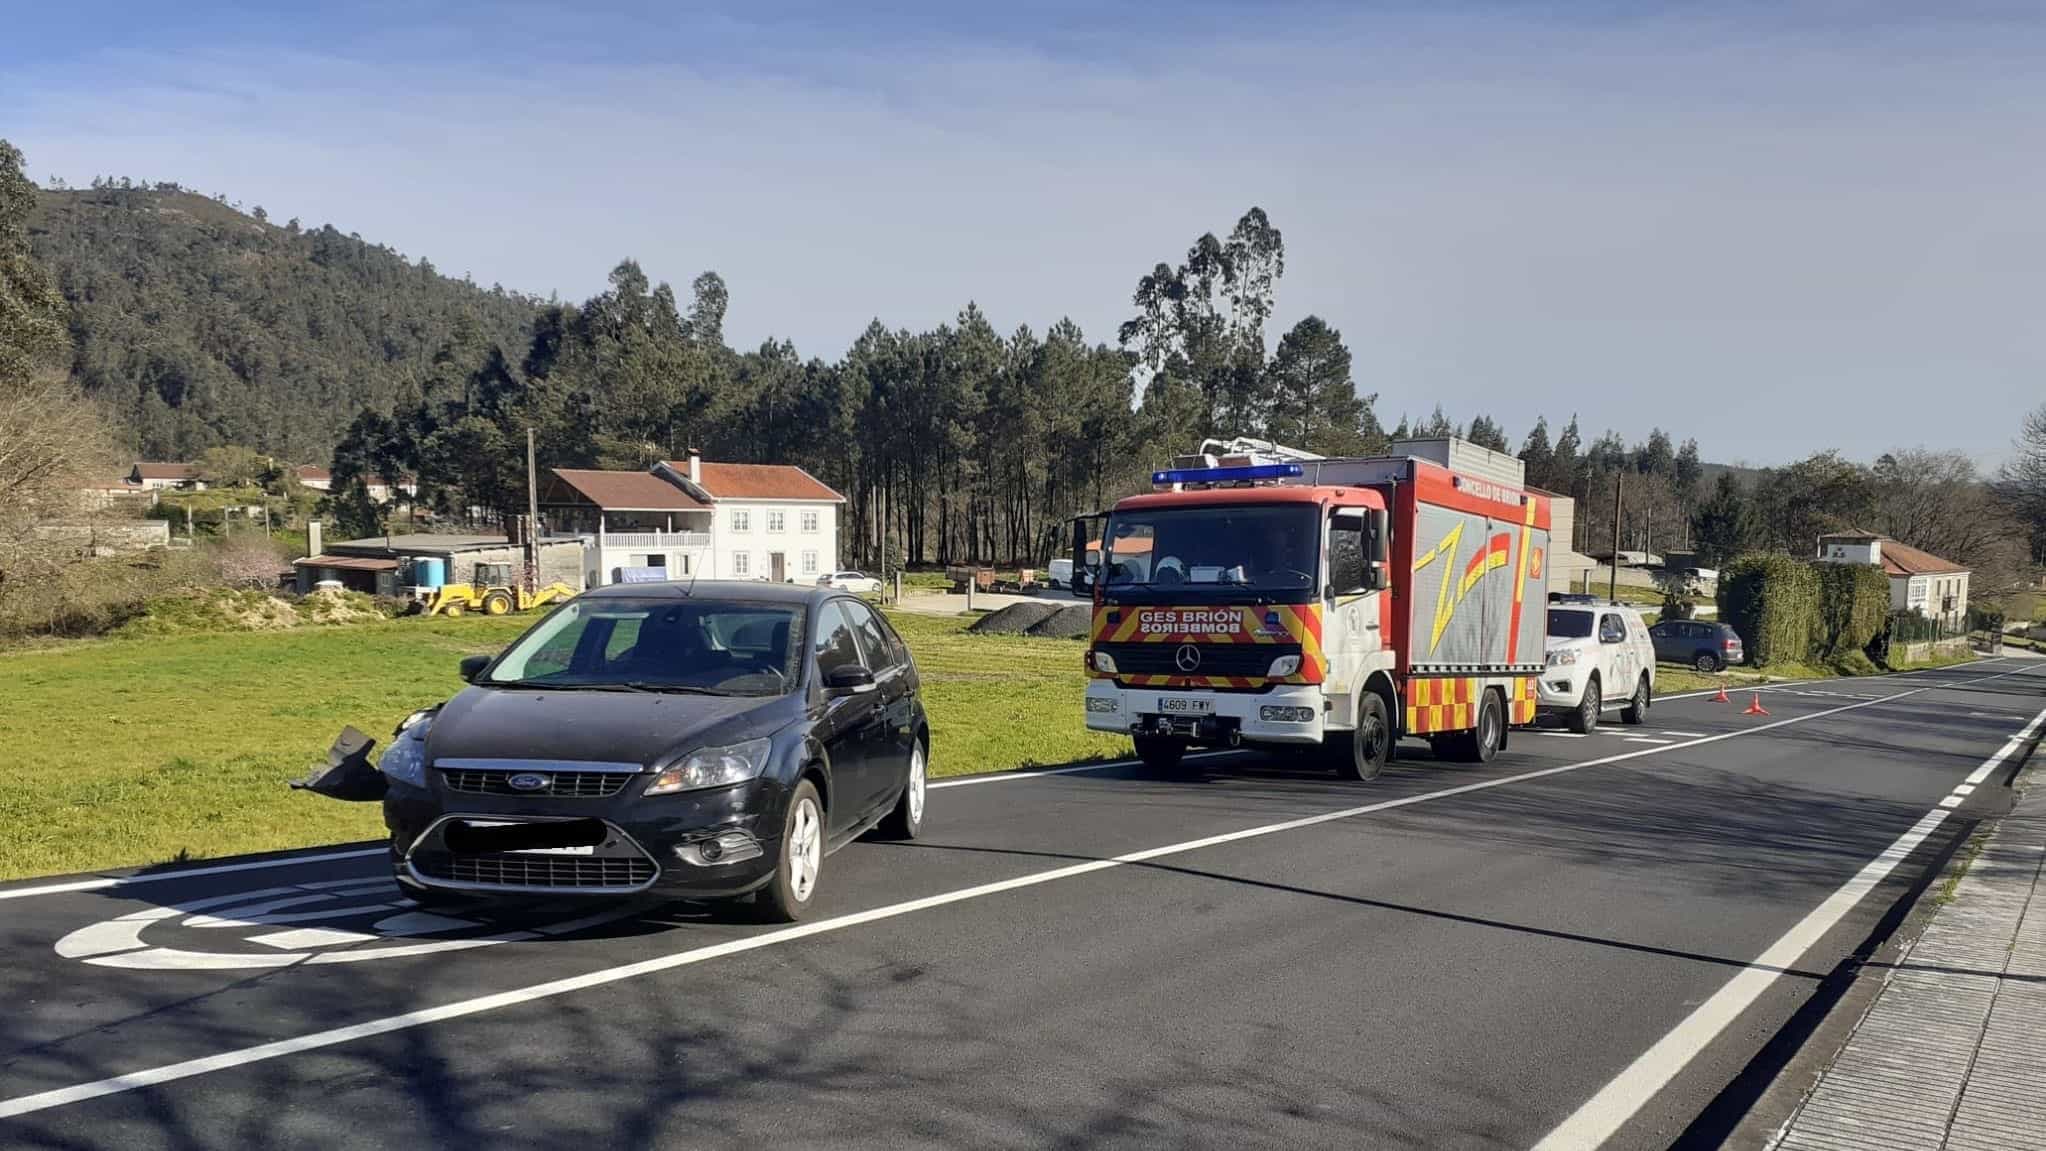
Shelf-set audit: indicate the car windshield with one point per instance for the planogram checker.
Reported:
(1567, 624)
(658, 645)
(1272, 547)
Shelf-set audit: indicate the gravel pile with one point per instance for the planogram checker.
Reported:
(1070, 621)
(1016, 619)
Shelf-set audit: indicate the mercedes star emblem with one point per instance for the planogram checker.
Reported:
(1187, 658)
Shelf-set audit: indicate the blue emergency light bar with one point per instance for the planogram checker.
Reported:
(1226, 475)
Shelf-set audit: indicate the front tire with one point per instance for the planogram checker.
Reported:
(1363, 754)
(1706, 662)
(1636, 711)
(1585, 718)
(906, 821)
(497, 603)
(787, 896)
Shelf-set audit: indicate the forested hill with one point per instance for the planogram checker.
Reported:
(198, 324)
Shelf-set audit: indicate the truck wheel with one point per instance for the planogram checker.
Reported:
(1706, 662)
(1636, 711)
(454, 607)
(1163, 754)
(1361, 754)
(1481, 743)
(497, 603)
(1586, 717)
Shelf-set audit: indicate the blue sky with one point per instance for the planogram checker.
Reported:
(1777, 228)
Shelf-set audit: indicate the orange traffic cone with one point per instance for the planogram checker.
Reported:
(1721, 697)
(1755, 705)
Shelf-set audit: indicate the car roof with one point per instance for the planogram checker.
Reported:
(732, 591)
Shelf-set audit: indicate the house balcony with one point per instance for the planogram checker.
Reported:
(642, 541)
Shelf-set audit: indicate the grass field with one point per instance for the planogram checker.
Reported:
(139, 751)
(129, 752)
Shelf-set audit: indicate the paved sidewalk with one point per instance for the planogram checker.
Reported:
(1952, 1054)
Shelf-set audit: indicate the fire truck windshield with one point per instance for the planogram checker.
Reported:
(1264, 548)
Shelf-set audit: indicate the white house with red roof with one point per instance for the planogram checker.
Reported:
(695, 517)
(1919, 581)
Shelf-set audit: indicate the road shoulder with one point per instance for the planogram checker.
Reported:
(1951, 1048)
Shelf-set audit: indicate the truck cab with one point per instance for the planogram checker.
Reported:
(1319, 604)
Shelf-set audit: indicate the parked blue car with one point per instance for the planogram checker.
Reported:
(1702, 644)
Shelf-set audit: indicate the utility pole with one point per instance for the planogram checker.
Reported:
(532, 517)
(1613, 589)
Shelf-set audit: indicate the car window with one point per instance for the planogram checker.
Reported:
(1564, 623)
(879, 652)
(836, 647)
(725, 648)
(1611, 628)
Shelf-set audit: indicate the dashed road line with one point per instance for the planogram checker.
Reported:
(189, 1068)
(1620, 1100)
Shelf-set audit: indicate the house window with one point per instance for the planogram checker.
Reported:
(809, 563)
(742, 563)
(742, 520)
(809, 521)
(776, 521)
(654, 560)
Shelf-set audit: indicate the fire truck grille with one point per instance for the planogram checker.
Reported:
(1237, 659)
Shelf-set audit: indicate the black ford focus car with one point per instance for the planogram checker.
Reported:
(706, 740)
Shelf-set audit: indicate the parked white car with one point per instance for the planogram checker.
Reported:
(1060, 573)
(851, 581)
(1597, 652)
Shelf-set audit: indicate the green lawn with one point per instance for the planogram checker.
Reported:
(139, 751)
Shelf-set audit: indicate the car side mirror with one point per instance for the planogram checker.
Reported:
(848, 679)
(472, 666)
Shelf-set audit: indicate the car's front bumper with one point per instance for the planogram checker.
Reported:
(1250, 716)
(635, 847)
(1561, 687)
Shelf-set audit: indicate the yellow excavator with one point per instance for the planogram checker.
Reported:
(492, 593)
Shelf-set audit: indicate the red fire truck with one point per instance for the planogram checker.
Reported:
(1339, 604)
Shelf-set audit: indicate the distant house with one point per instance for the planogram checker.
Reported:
(1919, 581)
(161, 476)
(317, 478)
(631, 522)
(690, 517)
(770, 521)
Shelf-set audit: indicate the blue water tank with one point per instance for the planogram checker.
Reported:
(430, 571)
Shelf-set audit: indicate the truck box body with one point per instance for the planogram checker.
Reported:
(1459, 610)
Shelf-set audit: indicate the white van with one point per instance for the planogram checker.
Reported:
(1596, 652)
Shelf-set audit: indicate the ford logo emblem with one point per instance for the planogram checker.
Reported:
(527, 781)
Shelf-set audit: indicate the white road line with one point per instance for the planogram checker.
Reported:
(1684, 734)
(1618, 1101)
(1563, 734)
(186, 1069)
(1033, 773)
(105, 882)
(1647, 739)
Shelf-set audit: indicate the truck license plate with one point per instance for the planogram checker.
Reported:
(1186, 706)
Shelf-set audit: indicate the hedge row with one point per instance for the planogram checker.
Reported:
(1790, 611)
(1773, 602)
(1854, 604)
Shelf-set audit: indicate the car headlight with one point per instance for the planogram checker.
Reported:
(1563, 658)
(405, 761)
(1103, 703)
(713, 767)
(1103, 662)
(1283, 666)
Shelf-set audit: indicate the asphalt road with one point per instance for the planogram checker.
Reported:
(1562, 944)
